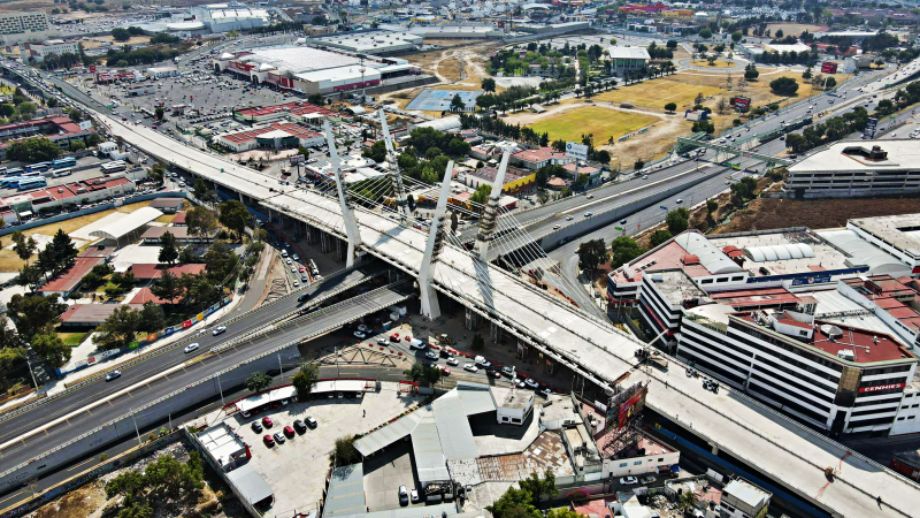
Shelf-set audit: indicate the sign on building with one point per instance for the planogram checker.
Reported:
(828, 67)
(576, 151)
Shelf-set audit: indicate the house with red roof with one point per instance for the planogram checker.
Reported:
(153, 271)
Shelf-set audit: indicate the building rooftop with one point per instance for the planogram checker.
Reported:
(623, 52)
(295, 108)
(70, 278)
(539, 154)
(784, 252)
(91, 314)
(676, 286)
(900, 231)
(273, 130)
(146, 271)
(747, 493)
(899, 154)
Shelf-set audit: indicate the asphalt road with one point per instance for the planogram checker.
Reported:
(82, 395)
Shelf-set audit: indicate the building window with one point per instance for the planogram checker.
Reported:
(624, 464)
(636, 463)
(660, 459)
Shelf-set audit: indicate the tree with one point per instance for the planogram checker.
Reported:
(705, 33)
(119, 330)
(345, 453)
(258, 381)
(829, 82)
(488, 84)
(51, 349)
(120, 34)
(624, 249)
(638, 164)
(456, 104)
(785, 86)
(204, 191)
(200, 221)
(591, 254)
(304, 379)
(235, 216)
(670, 107)
(166, 287)
(481, 195)
(34, 314)
(678, 220)
(540, 489)
(164, 487)
(23, 246)
(159, 113)
(515, 503)
(750, 72)
(736, 36)
(63, 252)
(168, 251)
(34, 149)
(424, 373)
(377, 152)
(152, 317)
(659, 236)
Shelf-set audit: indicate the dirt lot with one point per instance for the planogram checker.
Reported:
(779, 213)
(795, 29)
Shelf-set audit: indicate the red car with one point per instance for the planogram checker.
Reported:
(268, 440)
(394, 337)
(445, 371)
(267, 422)
(302, 269)
(289, 431)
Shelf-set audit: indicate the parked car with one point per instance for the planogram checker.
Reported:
(482, 362)
(268, 440)
(531, 383)
(508, 371)
(192, 347)
(394, 337)
(279, 437)
(359, 334)
(267, 422)
(413, 494)
(289, 431)
(470, 367)
(256, 427)
(403, 495)
(300, 426)
(648, 479)
(114, 375)
(629, 481)
(383, 341)
(311, 422)
(219, 330)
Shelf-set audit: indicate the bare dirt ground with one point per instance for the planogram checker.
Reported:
(795, 29)
(766, 213)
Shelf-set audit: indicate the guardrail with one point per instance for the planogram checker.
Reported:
(315, 333)
(153, 353)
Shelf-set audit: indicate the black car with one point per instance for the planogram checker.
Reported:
(303, 298)
(256, 427)
(300, 426)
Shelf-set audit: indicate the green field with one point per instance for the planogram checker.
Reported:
(603, 123)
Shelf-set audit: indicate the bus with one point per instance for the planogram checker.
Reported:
(62, 163)
(66, 171)
(10, 182)
(32, 183)
(113, 166)
(13, 171)
(38, 167)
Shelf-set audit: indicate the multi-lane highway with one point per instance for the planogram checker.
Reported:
(258, 324)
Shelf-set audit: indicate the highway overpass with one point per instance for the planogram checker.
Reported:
(785, 451)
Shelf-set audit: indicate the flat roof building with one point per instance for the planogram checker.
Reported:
(372, 42)
(857, 168)
(277, 135)
(16, 27)
(628, 59)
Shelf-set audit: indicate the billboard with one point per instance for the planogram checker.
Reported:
(626, 404)
(828, 67)
(576, 151)
(742, 104)
(881, 388)
(871, 125)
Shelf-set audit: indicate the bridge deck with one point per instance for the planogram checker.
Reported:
(787, 452)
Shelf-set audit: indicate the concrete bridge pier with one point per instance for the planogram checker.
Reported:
(470, 319)
(495, 332)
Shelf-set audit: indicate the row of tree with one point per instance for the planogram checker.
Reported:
(830, 130)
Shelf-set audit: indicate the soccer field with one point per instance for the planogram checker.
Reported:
(603, 123)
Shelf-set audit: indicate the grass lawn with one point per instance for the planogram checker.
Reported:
(719, 63)
(656, 93)
(73, 339)
(603, 123)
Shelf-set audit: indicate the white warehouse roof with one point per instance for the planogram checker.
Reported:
(783, 252)
(117, 227)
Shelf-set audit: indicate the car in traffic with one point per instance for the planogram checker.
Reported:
(531, 383)
(471, 368)
(453, 361)
(629, 481)
(394, 337)
(482, 362)
(114, 375)
(431, 355)
(191, 347)
(359, 334)
(445, 371)
(219, 330)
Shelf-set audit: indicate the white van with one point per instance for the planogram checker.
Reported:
(417, 344)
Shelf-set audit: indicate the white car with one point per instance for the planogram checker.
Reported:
(192, 347)
(219, 330)
(413, 494)
(470, 367)
(453, 361)
(359, 334)
(531, 383)
(383, 341)
(628, 481)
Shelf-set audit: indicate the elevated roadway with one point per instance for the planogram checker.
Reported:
(52, 426)
(787, 452)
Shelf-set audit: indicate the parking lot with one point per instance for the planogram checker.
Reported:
(296, 470)
(384, 473)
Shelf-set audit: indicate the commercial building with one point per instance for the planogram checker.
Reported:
(741, 499)
(372, 42)
(297, 111)
(227, 17)
(277, 135)
(534, 159)
(515, 179)
(858, 168)
(818, 324)
(17, 27)
(57, 128)
(38, 51)
(628, 59)
(22, 207)
(781, 48)
(311, 70)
